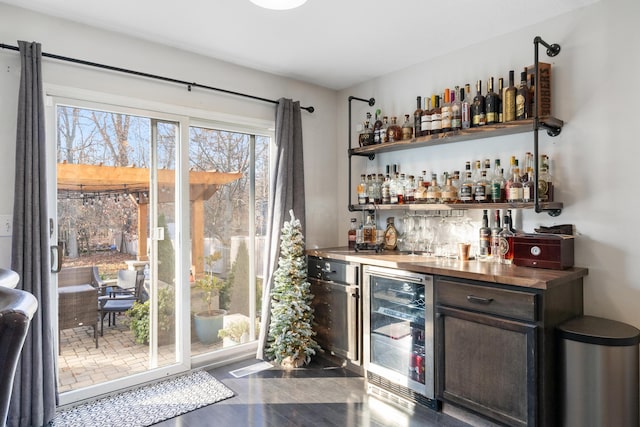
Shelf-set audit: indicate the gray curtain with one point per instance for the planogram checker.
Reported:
(287, 192)
(33, 402)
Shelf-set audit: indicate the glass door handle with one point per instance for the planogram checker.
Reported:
(56, 258)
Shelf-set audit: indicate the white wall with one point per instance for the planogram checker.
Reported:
(79, 41)
(595, 159)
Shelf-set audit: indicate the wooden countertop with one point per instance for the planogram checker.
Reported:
(527, 277)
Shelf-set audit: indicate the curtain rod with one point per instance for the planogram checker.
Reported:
(151, 76)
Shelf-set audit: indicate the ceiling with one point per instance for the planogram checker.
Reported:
(331, 43)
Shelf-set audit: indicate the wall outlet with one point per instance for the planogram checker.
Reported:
(6, 225)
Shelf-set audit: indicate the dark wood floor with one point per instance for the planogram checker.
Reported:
(318, 395)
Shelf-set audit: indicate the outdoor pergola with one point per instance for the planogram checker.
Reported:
(134, 181)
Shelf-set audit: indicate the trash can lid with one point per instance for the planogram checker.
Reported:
(599, 331)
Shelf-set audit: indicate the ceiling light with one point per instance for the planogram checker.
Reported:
(279, 4)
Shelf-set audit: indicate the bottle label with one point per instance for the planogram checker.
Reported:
(514, 194)
(526, 194)
(407, 132)
(491, 117)
(425, 123)
(495, 192)
(480, 193)
(436, 122)
(543, 190)
(445, 117)
(504, 246)
(520, 107)
(466, 193)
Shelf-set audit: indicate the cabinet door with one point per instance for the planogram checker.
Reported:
(487, 365)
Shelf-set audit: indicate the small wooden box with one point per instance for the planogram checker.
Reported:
(542, 84)
(553, 251)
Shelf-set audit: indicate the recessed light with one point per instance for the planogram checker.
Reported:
(279, 4)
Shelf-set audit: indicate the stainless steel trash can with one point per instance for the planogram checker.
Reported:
(599, 365)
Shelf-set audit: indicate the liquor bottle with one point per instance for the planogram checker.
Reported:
(495, 237)
(545, 181)
(352, 233)
(434, 193)
(385, 192)
(509, 100)
(497, 184)
(377, 126)
(512, 165)
(369, 234)
(445, 113)
(491, 103)
(436, 115)
(528, 163)
(394, 132)
(466, 107)
(500, 97)
(383, 130)
(362, 190)
(425, 120)
(421, 191)
(485, 236)
(528, 186)
(475, 173)
(506, 242)
(523, 99)
(466, 188)
(390, 235)
(478, 114)
(407, 128)
(455, 180)
(410, 190)
(417, 118)
(449, 193)
(514, 187)
(456, 109)
(480, 189)
(511, 221)
(532, 93)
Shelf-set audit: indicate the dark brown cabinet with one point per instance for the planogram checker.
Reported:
(495, 347)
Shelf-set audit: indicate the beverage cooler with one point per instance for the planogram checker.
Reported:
(398, 339)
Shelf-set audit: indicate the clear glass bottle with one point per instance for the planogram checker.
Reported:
(434, 192)
(362, 190)
(528, 186)
(417, 118)
(509, 100)
(485, 236)
(506, 242)
(410, 190)
(369, 233)
(466, 107)
(370, 188)
(514, 192)
(512, 164)
(456, 109)
(407, 128)
(445, 111)
(491, 102)
(401, 187)
(478, 114)
(495, 237)
(383, 130)
(448, 193)
(390, 235)
(545, 180)
(480, 189)
(385, 191)
(420, 194)
(466, 188)
(393, 188)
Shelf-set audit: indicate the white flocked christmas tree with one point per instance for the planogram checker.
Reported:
(290, 339)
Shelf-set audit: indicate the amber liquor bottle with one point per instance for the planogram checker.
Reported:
(394, 132)
(445, 114)
(425, 120)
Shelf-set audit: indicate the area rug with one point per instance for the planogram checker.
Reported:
(147, 405)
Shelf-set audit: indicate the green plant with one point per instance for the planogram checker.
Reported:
(210, 285)
(139, 316)
(236, 329)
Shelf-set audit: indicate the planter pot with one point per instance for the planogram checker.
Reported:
(207, 325)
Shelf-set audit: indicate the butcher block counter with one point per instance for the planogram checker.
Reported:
(526, 277)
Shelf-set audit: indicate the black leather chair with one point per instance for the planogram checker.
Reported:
(17, 308)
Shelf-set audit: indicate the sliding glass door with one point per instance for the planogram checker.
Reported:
(119, 287)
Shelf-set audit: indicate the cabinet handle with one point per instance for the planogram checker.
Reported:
(478, 300)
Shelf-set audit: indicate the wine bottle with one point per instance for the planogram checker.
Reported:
(500, 97)
(509, 100)
(445, 113)
(425, 127)
(417, 118)
(491, 102)
(436, 115)
(478, 115)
